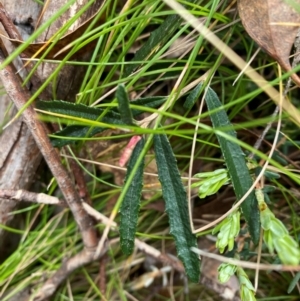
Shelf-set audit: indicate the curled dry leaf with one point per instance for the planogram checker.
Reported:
(59, 49)
(273, 25)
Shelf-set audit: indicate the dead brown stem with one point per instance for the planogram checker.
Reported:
(20, 96)
(27, 196)
(102, 274)
(46, 199)
(85, 257)
(80, 181)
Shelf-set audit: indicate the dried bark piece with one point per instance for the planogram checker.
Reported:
(273, 25)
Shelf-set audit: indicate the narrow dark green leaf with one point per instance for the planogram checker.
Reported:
(131, 203)
(91, 113)
(82, 111)
(193, 97)
(124, 108)
(268, 174)
(156, 40)
(175, 198)
(72, 109)
(278, 157)
(294, 282)
(148, 102)
(236, 164)
(74, 131)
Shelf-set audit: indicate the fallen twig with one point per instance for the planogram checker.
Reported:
(47, 199)
(32, 197)
(247, 264)
(85, 257)
(19, 95)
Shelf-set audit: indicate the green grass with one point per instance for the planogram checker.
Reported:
(50, 234)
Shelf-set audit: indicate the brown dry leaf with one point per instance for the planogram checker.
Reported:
(37, 49)
(273, 25)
